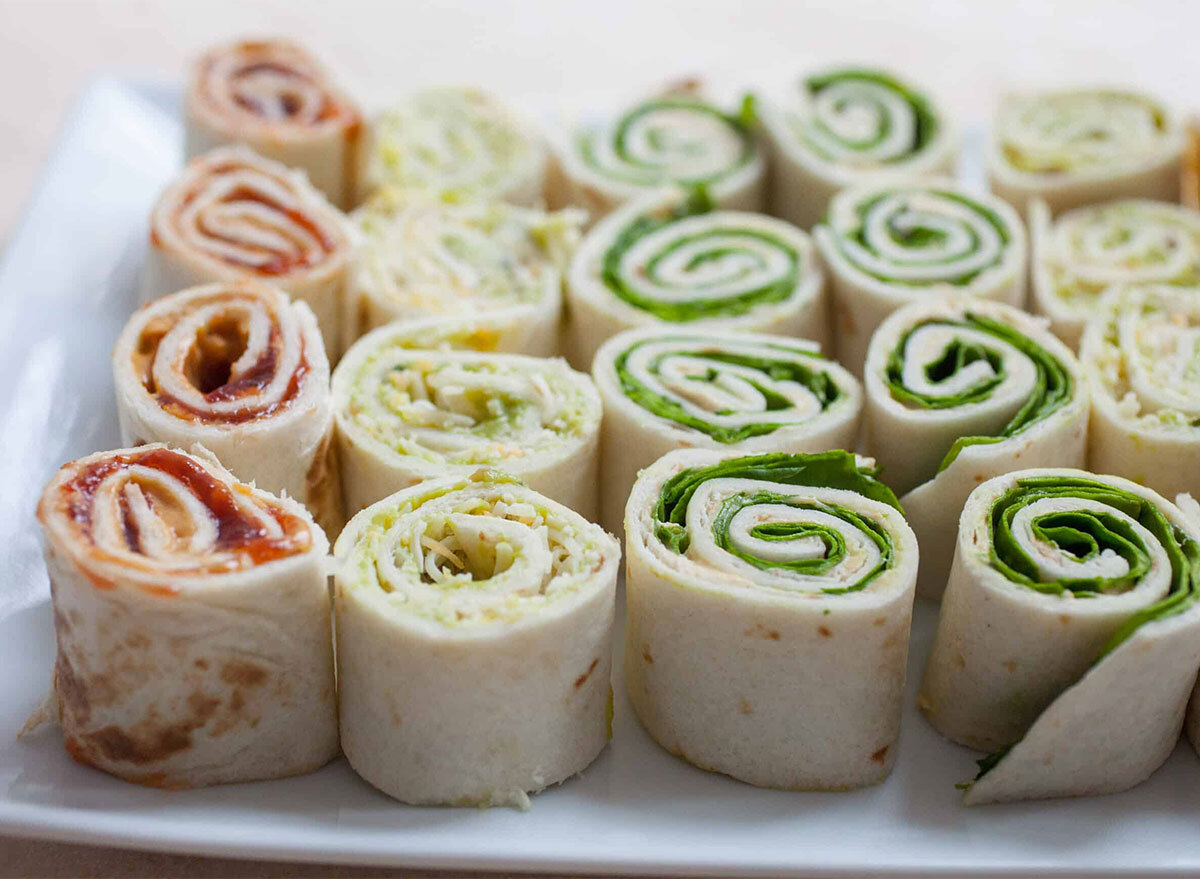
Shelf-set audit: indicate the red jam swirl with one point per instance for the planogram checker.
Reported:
(242, 539)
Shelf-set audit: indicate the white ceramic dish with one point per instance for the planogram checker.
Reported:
(67, 283)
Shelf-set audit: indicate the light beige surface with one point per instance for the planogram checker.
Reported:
(966, 50)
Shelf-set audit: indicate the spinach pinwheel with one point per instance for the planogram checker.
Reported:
(959, 390)
(666, 388)
(845, 126)
(768, 601)
(1069, 636)
(672, 257)
(889, 244)
(679, 138)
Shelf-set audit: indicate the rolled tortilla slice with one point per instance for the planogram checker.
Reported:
(666, 388)
(193, 624)
(1120, 243)
(234, 215)
(404, 415)
(240, 369)
(675, 139)
(768, 601)
(959, 390)
(889, 244)
(1080, 146)
(847, 126)
(457, 145)
(474, 620)
(1069, 636)
(1140, 353)
(442, 260)
(277, 99)
(1191, 167)
(673, 257)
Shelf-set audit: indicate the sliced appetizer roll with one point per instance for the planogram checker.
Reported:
(672, 257)
(959, 390)
(1079, 146)
(1141, 354)
(241, 369)
(277, 99)
(675, 139)
(405, 414)
(889, 244)
(1069, 635)
(1119, 243)
(457, 145)
(768, 601)
(844, 127)
(232, 215)
(666, 388)
(474, 619)
(193, 624)
(443, 260)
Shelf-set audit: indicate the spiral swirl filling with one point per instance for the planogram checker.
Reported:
(981, 362)
(680, 140)
(730, 390)
(1078, 131)
(782, 521)
(1123, 243)
(922, 237)
(455, 141)
(239, 213)
(161, 511)
(488, 550)
(697, 263)
(226, 358)
(864, 118)
(465, 408)
(439, 260)
(1149, 356)
(1059, 534)
(272, 83)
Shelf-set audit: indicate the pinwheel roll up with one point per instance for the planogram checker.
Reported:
(234, 215)
(672, 257)
(960, 390)
(275, 98)
(1191, 167)
(1120, 243)
(474, 619)
(1080, 146)
(192, 614)
(666, 388)
(442, 260)
(1141, 354)
(676, 139)
(847, 126)
(887, 245)
(405, 415)
(457, 145)
(241, 369)
(1069, 635)
(768, 601)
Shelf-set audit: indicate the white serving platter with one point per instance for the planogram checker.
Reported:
(67, 283)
